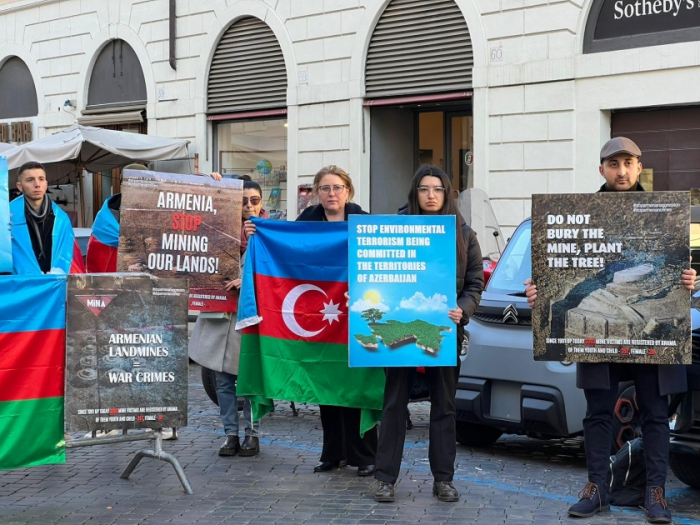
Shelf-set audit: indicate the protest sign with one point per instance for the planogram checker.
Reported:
(126, 352)
(608, 273)
(402, 284)
(183, 226)
(5, 233)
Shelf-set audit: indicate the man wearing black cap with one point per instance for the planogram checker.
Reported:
(620, 167)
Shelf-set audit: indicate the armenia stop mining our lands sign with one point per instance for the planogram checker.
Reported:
(126, 352)
(401, 273)
(608, 272)
(183, 226)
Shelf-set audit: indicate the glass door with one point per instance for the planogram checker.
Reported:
(459, 132)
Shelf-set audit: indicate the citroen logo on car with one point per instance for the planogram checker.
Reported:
(510, 315)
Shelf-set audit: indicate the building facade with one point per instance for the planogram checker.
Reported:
(511, 96)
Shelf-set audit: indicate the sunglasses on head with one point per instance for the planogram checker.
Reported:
(253, 200)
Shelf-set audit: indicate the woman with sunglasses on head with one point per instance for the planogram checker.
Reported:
(342, 443)
(216, 345)
(431, 194)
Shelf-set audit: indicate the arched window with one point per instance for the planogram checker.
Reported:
(18, 92)
(419, 47)
(117, 78)
(248, 70)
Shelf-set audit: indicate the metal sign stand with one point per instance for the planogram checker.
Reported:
(155, 453)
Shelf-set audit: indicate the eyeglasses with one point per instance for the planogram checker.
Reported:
(337, 188)
(253, 200)
(424, 190)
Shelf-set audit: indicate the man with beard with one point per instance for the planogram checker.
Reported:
(620, 167)
(42, 236)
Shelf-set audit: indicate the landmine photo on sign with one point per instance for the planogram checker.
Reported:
(606, 267)
(183, 226)
(126, 352)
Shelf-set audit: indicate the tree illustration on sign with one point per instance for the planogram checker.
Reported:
(372, 315)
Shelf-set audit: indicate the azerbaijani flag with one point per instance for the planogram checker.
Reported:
(32, 342)
(104, 242)
(292, 310)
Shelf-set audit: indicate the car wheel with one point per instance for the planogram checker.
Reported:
(209, 384)
(474, 435)
(626, 425)
(686, 467)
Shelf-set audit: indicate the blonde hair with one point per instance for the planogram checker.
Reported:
(340, 172)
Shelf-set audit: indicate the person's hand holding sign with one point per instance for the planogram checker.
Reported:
(456, 315)
(530, 292)
(688, 278)
(235, 283)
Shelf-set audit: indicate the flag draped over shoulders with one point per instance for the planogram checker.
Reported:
(293, 313)
(64, 255)
(32, 348)
(104, 242)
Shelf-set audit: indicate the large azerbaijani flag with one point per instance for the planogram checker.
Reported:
(293, 313)
(32, 343)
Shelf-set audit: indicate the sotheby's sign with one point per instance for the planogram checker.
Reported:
(626, 24)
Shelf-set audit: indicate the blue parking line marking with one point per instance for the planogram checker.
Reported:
(485, 482)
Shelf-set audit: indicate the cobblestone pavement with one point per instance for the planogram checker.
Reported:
(517, 481)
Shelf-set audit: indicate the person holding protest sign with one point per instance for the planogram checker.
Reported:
(342, 443)
(620, 167)
(431, 194)
(216, 344)
(42, 236)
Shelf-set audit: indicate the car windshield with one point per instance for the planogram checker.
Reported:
(515, 265)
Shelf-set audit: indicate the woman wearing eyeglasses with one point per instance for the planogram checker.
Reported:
(216, 345)
(341, 425)
(342, 443)
(431, 194)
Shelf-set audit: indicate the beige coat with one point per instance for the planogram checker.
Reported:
(215, 343)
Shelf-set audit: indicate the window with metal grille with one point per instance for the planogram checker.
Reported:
(419, 46)
(248, 70)
(18, 92)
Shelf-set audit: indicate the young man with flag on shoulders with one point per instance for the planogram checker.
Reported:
(620, 167)
(42, 236)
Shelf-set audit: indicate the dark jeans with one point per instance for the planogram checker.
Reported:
(228, 406)
(392, 432)
(341, 437)
(653, 411)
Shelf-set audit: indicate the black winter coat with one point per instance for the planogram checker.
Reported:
(317, 213)
(469, 278)
(596, 376)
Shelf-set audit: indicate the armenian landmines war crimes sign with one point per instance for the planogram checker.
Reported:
(183, 226)
(126, 352)
(608, 273)
(402, 284)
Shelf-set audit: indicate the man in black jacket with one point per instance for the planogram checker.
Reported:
(620, 167)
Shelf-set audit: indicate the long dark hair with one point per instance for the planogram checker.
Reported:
(449, 206)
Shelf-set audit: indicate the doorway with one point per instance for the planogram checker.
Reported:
(405, 137)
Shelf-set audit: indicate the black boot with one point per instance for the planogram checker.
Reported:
(326, 466)
(385, 493)
(655, 506)
(445, 491)
(365, 470)
(250, 446)
(230, 447)
(592, 501)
